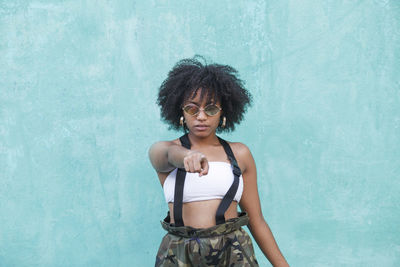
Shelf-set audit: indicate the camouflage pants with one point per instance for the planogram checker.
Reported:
(221, 245)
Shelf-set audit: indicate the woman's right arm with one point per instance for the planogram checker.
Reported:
(166, 156)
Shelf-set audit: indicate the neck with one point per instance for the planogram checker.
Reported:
(210, 140)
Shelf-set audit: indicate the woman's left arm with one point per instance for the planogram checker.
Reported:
(250, 202)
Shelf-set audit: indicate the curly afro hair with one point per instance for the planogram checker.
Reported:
(218, 82)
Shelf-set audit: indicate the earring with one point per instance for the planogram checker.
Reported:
(223, 122)
(181, 121)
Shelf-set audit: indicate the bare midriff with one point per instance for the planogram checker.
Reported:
(201, 214)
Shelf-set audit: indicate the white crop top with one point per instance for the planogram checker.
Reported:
(214, 185)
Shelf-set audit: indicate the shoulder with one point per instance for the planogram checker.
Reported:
(159, 147)
(243, 155)
(158, 155)
(158, 144)
(239, 149)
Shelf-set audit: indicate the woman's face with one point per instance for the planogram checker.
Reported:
(201, 124)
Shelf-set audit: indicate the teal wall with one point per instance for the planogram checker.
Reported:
(78, 84)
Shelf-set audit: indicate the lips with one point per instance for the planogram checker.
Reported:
(201, 127)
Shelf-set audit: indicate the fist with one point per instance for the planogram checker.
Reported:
(196, 161)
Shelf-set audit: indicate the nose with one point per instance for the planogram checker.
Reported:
(201, 115)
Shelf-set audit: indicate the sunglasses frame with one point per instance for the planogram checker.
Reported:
(203, 109)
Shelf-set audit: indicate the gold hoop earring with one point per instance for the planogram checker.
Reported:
(223, 122)
(181, 121)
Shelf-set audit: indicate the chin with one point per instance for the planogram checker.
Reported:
(203, 133)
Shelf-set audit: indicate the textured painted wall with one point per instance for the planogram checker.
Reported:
(78, 83)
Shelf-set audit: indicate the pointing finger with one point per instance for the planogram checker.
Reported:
(204, 167)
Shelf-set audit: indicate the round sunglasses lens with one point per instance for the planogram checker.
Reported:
(211, 110)
(191, 109)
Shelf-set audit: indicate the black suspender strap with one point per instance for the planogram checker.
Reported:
(227, 199)
(230, 195)
(179, 183)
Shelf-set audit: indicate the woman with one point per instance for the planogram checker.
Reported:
(205, 177)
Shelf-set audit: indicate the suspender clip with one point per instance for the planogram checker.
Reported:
(235, 167)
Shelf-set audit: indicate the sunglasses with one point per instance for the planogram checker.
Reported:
(193, 109)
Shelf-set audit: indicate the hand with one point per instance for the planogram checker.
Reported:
(196, 161)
